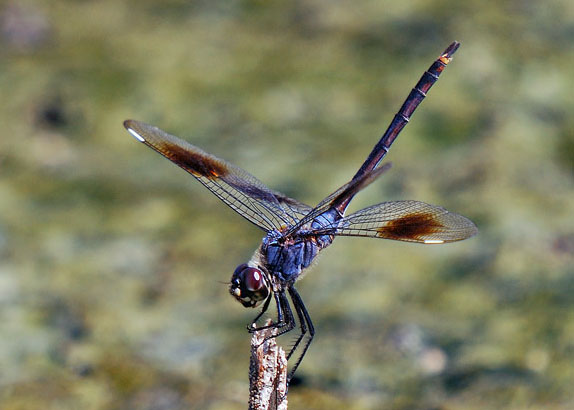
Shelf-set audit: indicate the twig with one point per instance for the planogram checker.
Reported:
(267, 373)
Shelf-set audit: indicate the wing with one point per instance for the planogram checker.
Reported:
(240, 190)
(410, 221)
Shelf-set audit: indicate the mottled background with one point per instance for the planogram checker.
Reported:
(113, 261)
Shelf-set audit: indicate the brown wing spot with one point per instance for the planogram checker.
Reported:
(196, 163)
(413, 226)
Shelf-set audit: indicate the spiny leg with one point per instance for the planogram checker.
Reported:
(252, 327)
(285, 319)
(288, 323)
(305, 322)
(302, 324)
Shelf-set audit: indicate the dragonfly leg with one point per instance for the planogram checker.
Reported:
(252, 327)
(285, 319)
(306, 324)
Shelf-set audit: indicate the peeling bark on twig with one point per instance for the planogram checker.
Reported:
(267, 373)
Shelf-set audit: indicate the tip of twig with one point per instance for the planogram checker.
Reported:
(267, 372)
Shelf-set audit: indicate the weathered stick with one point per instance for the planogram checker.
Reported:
(267, 373)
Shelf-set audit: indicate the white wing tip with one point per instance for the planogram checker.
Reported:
(136, 135)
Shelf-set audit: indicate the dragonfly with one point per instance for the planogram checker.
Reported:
(295, 233)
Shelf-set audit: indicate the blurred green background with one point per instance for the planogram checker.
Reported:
(113, 262)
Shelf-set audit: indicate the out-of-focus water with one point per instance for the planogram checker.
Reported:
(113, 262)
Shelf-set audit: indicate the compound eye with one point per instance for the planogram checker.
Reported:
(239, 270)
(249, 285)
(253, 279)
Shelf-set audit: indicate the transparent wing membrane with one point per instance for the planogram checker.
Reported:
(410, 221)
(240, 190)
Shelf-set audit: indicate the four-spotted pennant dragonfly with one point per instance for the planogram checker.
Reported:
(294, 232)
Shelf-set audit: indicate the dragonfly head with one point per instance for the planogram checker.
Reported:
(249, 285)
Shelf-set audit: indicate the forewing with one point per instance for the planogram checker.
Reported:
(240, 190)
(410, 221)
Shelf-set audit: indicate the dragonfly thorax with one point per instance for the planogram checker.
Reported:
(286, 257)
